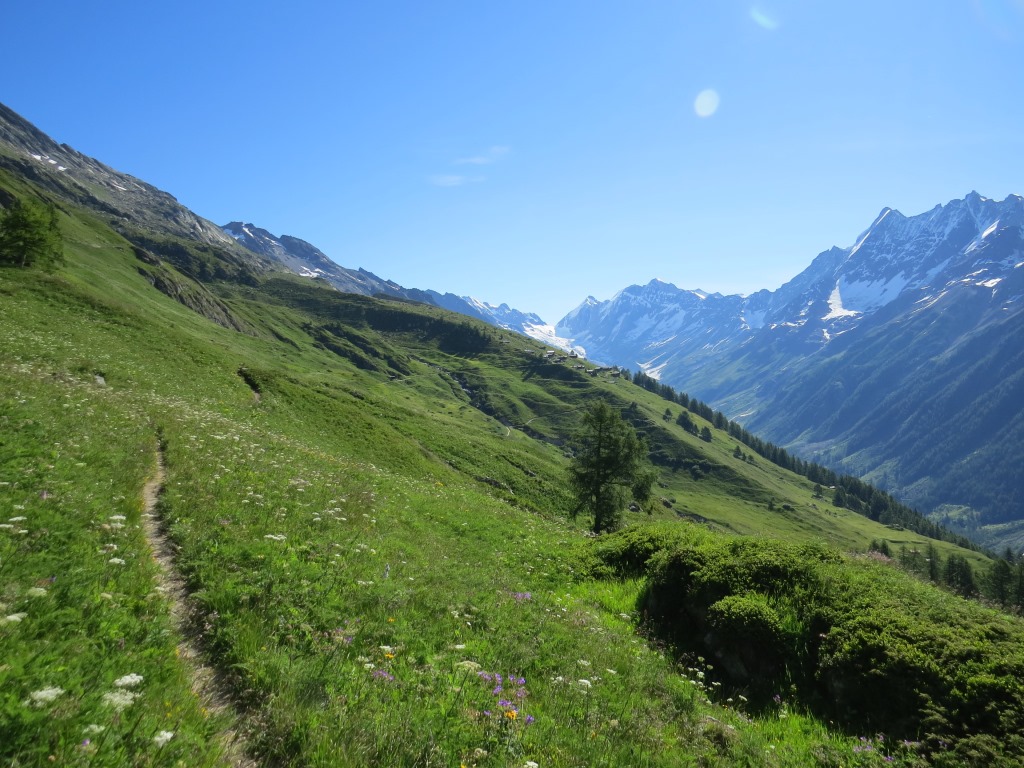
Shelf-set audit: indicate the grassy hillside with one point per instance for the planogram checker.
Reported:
(366, 503)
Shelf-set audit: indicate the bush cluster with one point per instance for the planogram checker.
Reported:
(856, 642)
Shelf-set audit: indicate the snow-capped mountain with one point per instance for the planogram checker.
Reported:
(671, 333)
(309, 261)
(869, 359)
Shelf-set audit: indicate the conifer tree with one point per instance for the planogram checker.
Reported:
(609, 467)
(29, 235)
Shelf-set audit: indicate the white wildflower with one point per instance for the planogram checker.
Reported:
(92, 729)
(129, 680)
(585, 684)
(118, 517)
(13, 618)
(583, 663)
(116, 561)
(17, 519)
(163, 737)
(43, 697)
(530, 764)
(36, 592)
(120, 699)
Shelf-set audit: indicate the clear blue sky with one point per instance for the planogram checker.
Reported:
(537, 151)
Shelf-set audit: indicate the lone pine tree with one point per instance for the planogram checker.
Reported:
(609, 467)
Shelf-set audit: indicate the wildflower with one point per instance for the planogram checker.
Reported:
(118, 517)
(369, 665)
(386, 648)
(522, 596)
(585, 684)
(120, 699)
(163, 737)
(529, 721)
(13, 618)
(511, 714)
(43, 697)
(469, 666)
(531, 764)
(128, 681)
(92, 729)
(116, 561)
(17, 519)
(381, 674)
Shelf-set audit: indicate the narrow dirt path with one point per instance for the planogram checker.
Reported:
(207, 683)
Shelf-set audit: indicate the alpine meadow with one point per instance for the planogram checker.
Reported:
(249, 519)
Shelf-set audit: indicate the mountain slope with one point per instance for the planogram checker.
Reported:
(307, 260)
(848, 362)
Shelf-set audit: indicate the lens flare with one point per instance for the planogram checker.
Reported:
(706, 103)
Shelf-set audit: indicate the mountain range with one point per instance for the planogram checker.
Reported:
(899, 359)
(309, 261)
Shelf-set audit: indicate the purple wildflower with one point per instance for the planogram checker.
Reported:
(381, 674)
(529, 719)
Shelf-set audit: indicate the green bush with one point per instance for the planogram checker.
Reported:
(858, 643)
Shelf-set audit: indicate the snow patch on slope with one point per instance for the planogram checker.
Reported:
(836, 308)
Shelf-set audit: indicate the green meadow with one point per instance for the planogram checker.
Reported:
(367, 503)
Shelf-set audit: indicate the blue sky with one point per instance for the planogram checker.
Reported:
(537, 151)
